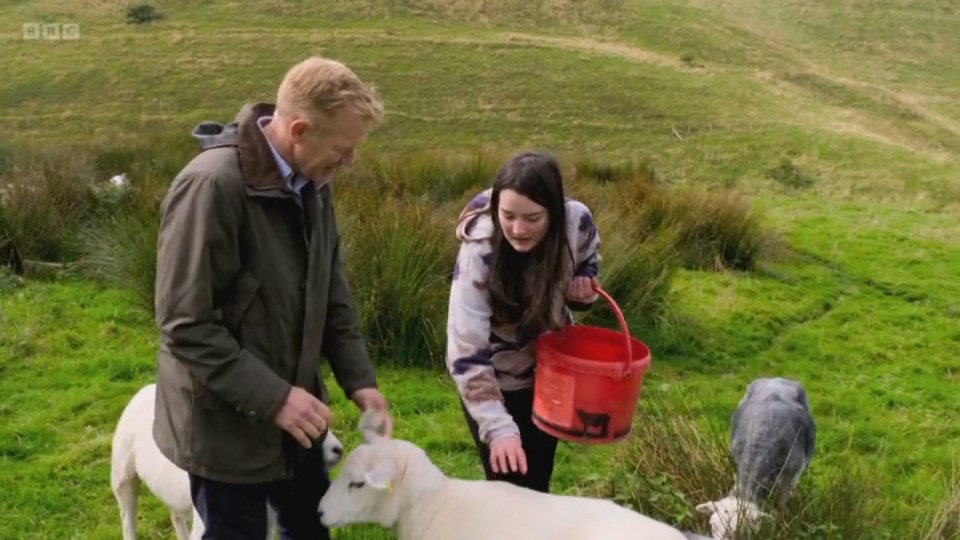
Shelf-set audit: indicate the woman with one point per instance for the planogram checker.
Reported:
(527, 256)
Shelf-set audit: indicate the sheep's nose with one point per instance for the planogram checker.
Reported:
(337, 450)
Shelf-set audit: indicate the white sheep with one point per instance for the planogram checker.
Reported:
(134, 457)
(772, 442)
(392, 482)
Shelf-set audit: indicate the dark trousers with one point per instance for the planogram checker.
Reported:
(239, 511)
(539, 447)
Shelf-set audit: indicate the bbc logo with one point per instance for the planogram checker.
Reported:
(51, 31)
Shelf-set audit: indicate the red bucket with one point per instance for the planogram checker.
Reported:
(588, 380)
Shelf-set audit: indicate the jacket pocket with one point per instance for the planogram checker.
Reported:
(239, 300)
(225, 440)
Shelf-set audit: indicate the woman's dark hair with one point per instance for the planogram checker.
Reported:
(523, 285)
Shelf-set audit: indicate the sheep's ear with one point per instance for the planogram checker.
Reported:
(707, 508)
(381, 476)
(372, 425)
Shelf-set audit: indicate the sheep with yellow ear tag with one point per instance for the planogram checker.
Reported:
(392, 482)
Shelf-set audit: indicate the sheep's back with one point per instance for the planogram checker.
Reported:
(483, 510)
(770, 440)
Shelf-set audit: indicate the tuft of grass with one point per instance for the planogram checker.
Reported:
(44, 197)
(436, 177)
(711, 229)
(613, 171)
(790, 175)
(945, 523)
(142, 14)
(636, 270)
(117, 245)
(122, 252)
(398, 266)
(720, 231)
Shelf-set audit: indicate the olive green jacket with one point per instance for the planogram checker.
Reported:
(250, 293)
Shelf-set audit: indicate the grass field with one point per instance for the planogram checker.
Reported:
(840, 121)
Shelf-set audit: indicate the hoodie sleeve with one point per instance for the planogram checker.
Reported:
(585, 244)
(468, 344)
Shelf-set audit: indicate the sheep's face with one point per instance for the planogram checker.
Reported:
(362, 492)
(730, 515)
(332, 451)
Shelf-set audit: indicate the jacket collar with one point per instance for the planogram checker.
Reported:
(261, 175)
(260, 170)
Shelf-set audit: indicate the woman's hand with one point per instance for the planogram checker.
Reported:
(507, 451)
(581, 289)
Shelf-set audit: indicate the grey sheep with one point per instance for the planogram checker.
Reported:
(772, 442)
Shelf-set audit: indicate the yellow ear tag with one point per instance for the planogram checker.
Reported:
(389, 488)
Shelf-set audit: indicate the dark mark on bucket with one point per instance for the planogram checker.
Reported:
(594, 424)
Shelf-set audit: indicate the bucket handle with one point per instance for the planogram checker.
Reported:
(623, 323)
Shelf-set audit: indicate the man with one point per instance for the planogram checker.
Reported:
(250, 293)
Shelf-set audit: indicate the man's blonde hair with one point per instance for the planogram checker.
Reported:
(318, 88)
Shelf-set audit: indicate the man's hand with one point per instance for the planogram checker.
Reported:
(303, 416)
(507, 455)
(371, 398)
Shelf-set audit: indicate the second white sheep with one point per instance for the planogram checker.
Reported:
(135, 458)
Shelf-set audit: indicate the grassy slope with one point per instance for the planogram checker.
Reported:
(862, 98)
(749, 100)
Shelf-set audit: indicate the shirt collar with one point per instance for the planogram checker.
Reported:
(294, 181)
